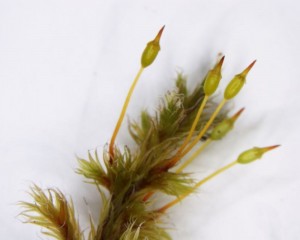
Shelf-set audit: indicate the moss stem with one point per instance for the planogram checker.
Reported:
(122, 115)
(200, 183)
(177, 156)
(195, 154)
(196, 120)
(206, 127)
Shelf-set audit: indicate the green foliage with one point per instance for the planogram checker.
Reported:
(92, 169)
(132, 176)
(126, 213)
(127, 179)
(54, 213)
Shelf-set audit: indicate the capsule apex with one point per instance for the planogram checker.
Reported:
(237, 115)
(266, 149)
(247, 70)
(158, 36)
(219, 64)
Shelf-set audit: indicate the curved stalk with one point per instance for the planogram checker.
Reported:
(196, 120)
(195, 154)
(122, 115)
(206, 127)
(200, 183)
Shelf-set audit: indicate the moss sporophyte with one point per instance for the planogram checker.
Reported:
(186, 121)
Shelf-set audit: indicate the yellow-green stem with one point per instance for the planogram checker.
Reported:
(195, 154)
(206, 127)
(122, 115)
(194, 125)
(200, 183)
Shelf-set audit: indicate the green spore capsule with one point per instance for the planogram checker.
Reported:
(213, 78)
(151, 50)
(236, 84)
(225, 126)
(254, 154)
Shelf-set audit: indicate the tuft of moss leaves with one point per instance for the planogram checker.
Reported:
(127, 179)
(133, 174)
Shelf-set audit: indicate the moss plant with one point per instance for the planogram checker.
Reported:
(186, 121)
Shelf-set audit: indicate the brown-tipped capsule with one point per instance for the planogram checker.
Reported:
(225, 126)
(254, 154)
(237, 114)
(213, 78)
(151, 50)
(247, 70)
(236, 84)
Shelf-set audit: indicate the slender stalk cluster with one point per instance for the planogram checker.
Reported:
(186, 121)
(147, 59)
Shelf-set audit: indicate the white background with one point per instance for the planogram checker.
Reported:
(66, 66)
